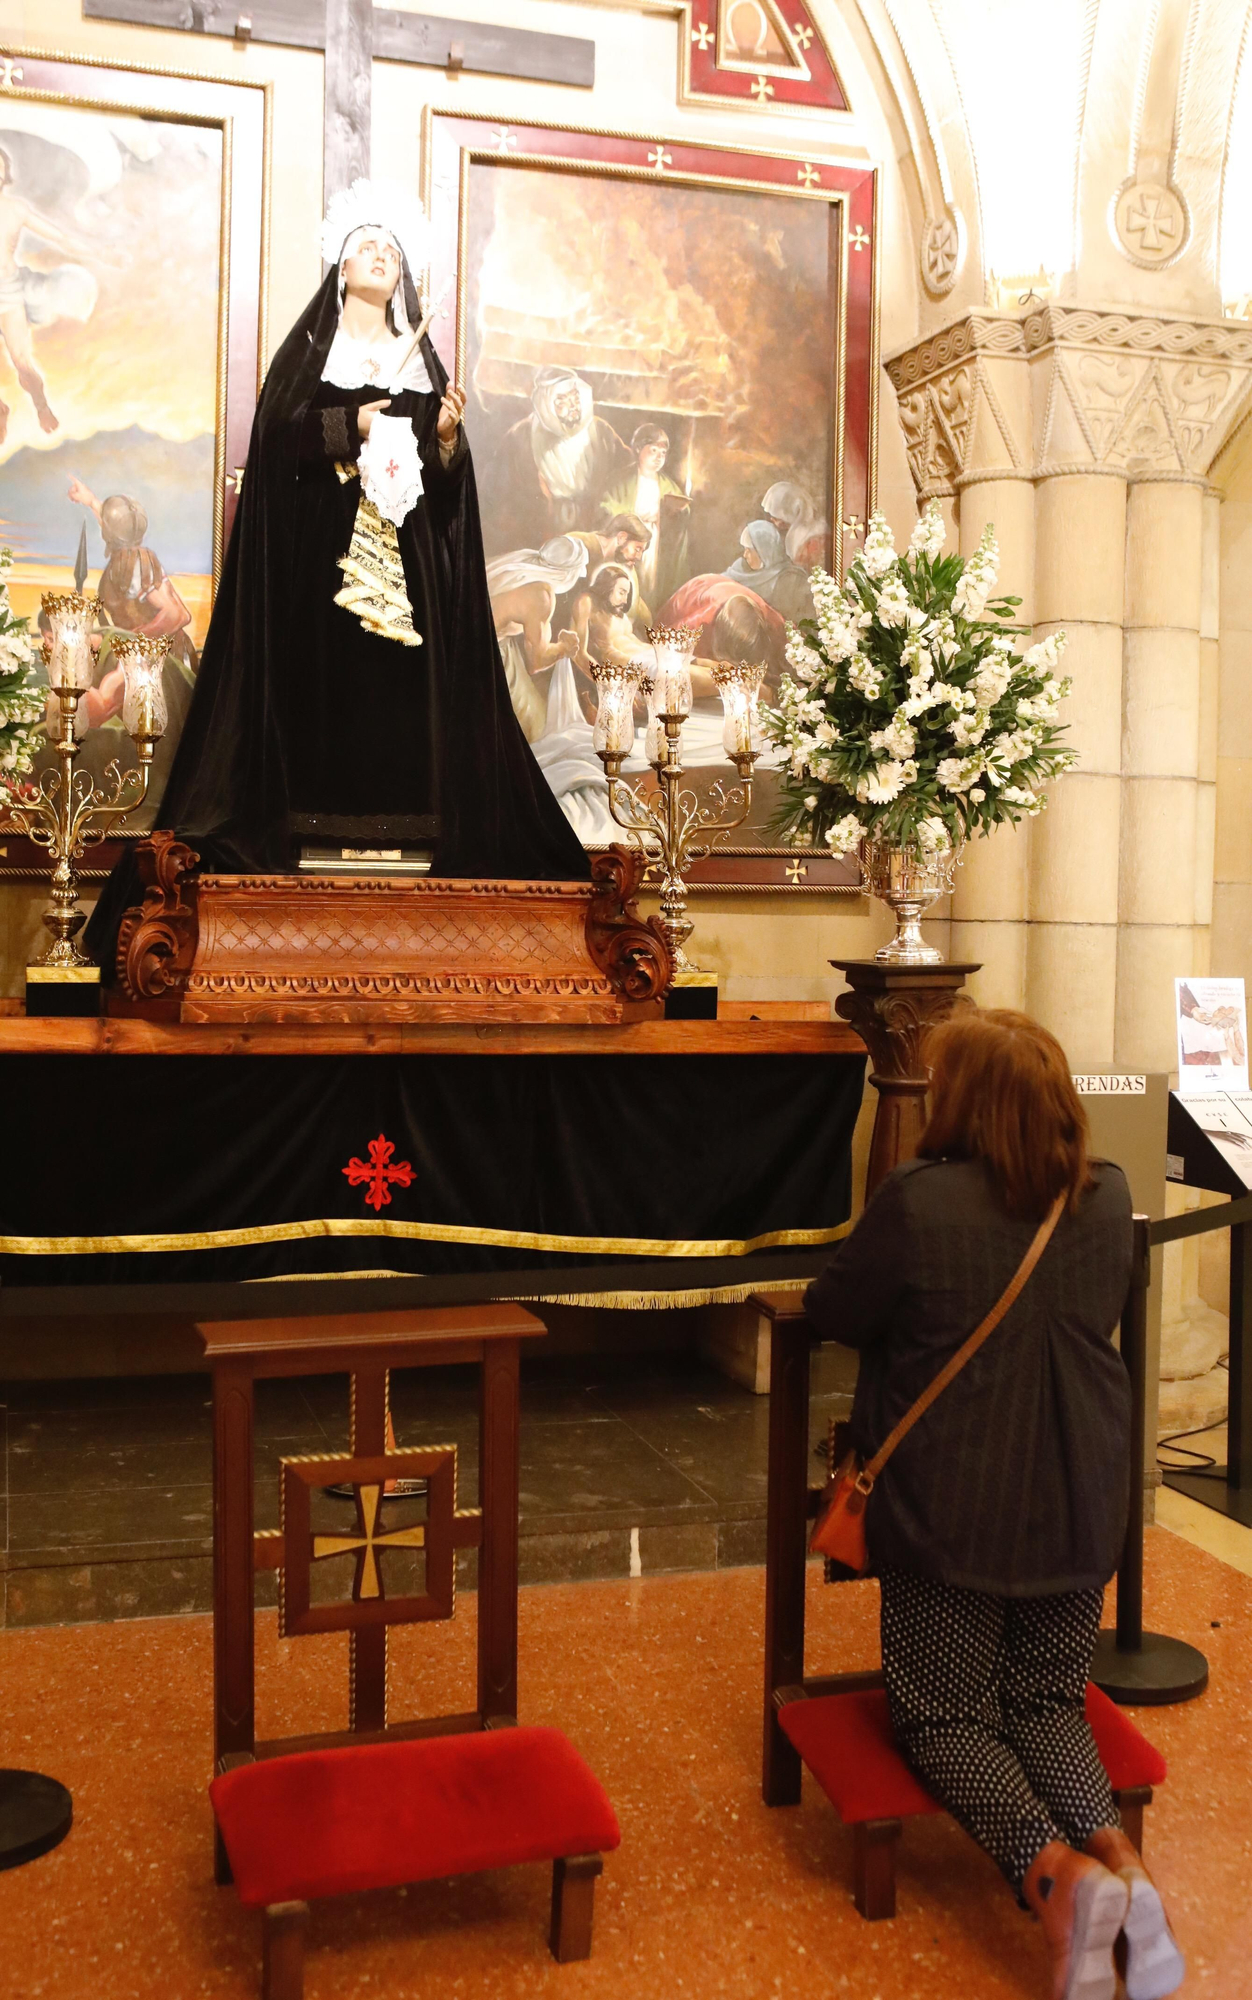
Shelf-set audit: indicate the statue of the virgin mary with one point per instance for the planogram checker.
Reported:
(351, 681)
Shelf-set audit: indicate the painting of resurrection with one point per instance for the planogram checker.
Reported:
(110, 304)
(651, 369)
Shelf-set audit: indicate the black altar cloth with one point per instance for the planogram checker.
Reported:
(699, 1176)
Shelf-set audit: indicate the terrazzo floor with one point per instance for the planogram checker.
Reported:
(658, 1683)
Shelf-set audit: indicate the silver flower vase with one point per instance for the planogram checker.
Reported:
(909, 881)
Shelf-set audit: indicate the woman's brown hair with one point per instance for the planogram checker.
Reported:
(1001, 1092)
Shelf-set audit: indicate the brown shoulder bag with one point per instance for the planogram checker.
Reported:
(839, 1531)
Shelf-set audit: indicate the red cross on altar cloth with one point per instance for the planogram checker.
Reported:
(378, 1173)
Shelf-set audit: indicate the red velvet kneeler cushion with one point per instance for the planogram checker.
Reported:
(847, 1742)
(1127, 1756)
(325, 1822)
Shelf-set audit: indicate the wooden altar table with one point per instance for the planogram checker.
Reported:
(681, 1159)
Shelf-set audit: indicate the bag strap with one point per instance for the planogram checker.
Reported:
(970, 1347)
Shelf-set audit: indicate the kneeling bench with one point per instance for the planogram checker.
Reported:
(847, 1742)
(331, 1822)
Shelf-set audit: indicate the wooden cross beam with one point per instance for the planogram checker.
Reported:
(397, 37)
(346, 93)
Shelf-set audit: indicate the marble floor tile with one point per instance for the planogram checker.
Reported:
(113, 1472)
(43, 1465)
(107, 1520)
(571, 1472)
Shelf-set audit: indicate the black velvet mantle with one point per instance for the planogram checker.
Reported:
(223, 1168)
(230, 786)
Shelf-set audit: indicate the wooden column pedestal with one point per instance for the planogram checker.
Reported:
(893, 1008)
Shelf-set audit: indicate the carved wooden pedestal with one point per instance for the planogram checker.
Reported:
(272, 948)
(893, 1008)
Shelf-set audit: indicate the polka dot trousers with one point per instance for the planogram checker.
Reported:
(986, 1699)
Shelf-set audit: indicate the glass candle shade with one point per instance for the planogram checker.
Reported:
(739, 685)
(654, 740)
(144, 714)
(672, 649)
(70, 618)
(616, 685)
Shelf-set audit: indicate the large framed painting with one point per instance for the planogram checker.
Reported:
(132, 248)
(670, 352)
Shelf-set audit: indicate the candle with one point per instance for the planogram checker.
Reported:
(142, 662)
(739, 685)
(70, 662)
(672, 649)
(616, 685)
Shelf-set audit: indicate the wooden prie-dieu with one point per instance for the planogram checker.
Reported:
(365, 1346)
(383, 1803)
(837, 1724)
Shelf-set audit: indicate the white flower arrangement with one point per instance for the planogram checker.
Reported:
(908, 714)
(21, 695)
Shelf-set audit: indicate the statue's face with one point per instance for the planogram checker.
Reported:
(372, 269)
(653, 456)
(619, 595)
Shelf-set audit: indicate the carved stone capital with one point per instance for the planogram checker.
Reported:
(964, 403)
(1065, 389)
(1134, 393)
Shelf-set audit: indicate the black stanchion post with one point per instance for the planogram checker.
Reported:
(1133, 1666)
(1239, 1420)
(36, 1813)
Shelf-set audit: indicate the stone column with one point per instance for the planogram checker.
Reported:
(1160, 937)
(1232, 886)
(964, 403)
(991, 897)
(1115, 417)
(1080, 528)
(1195, 1330)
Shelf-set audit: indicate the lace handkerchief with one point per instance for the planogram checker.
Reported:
(391, 468)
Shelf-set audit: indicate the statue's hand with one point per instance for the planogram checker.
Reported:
(366, 414)
(567, 645)
(451, 410)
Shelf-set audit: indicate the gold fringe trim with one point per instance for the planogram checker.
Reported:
(713, 1295)
(422, 1232)
(324, 1277)
(374, 589)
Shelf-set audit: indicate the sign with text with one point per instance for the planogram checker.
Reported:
(1102, 1085)
(1212, 1036)
(1225, 1118)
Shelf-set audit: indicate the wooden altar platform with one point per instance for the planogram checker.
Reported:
(651, 1035)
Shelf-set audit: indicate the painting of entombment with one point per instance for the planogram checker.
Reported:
(110, 373)
(650, 369)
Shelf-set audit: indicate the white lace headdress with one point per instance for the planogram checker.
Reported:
(380, 205)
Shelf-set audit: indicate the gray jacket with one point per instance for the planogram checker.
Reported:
(1016, 1480)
